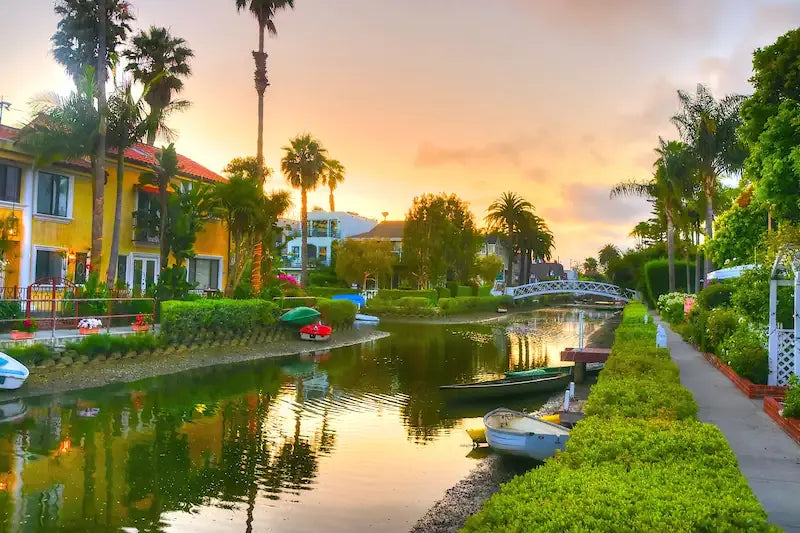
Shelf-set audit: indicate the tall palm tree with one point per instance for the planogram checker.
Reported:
(303, 164)
(708, 127)
(160, 61)
(334, 175)
(161, 175)
(669, 186)
(607, 253)
(534, 240)
(264, 11)
(506, 216)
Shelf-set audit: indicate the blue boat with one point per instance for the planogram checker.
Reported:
(524, 435)
(355, 298)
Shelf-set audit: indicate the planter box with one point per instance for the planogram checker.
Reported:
(89, 331)
(17, 335)
(774, 408)
(140, 328)
(745, 385)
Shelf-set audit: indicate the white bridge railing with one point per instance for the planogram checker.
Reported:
(571, 286)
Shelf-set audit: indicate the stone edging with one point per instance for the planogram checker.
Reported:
(774, 409)
(750, 389)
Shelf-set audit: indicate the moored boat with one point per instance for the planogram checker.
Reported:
(367, 318)
(501, 388)
(539, 372)
(315, 332)
(516, 433)
(12, 373)
(478, 434)
(300, 316)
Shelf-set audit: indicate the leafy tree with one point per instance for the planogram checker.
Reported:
(159, 61)
(439, 239)
(488, 267)
(590, 266)
(161, 175)
(189, 210)
(247, 167)
(708, 126)
(534, 240)
(334, 175)
(607, 253)
(359, 260)
(506, 215)
(303, 164)
(739, 231)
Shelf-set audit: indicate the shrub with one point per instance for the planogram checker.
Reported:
(9, 310)
(413, 302)
(452, 286)
(744, 351)
(290, 302)
(443, 292)
(645, 366)
(464, 290)
(715, 295)
(485, 290)
(386, 307)
(695, 330)
(656, 277)
(180, 320)
(791, 402)
(640, 398)
(32, 354)
(722, 322)
(394, 294)
(323, 278)
(329, 292)
(337, 313)
(671, 306)
(469, 304)
(96, 345)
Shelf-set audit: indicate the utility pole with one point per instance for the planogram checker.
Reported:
(3, 105)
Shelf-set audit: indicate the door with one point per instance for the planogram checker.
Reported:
(145, 273)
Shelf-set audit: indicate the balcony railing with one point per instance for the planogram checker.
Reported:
(145, 227)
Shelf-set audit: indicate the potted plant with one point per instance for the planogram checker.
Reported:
(90, 326)
(142, 323)
(25, 330)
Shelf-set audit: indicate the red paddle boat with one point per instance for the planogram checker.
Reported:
(315, 332)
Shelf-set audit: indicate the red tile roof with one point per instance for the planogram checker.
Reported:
(140, 153)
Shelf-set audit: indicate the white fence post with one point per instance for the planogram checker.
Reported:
(796, 270)
(772, 378)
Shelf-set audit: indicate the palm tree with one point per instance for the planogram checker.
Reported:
(534, 240)
(303, 165)
(708, 127)
(334, 175)
(669, 185)
(607, 253)
(161, 174)
(506, 216)
(590, 266)
(264, 11)
(159, 61)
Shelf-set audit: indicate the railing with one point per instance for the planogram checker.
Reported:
(571, 286)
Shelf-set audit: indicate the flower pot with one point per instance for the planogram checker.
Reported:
(140, 327)
(88, 331)
(17, 335)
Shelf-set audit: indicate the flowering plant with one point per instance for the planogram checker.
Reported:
(29, 325)
(90, 323)
(287, 278)
(143, 320)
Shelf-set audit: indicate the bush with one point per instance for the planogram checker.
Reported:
(325, 278)
(394, 294)
(644, 366)
(387, 307)
(9, 310)
(744, 351)
(722, 322)
(470, 304)
(791, 402)
(695, 330)
(96, 345)
(290, 302)
(180, 320)
(671, 305)
(464, 290)
(443, 292)
(656, 277)
(640, 398)
(337, 313)
(329, 292)
(485, 290)
(452, 286)
(33, 354)
(413, 302)
(715, 295)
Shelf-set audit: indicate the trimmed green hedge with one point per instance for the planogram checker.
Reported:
(337, 313)
(392, 308)
(656, 276)
(470, 304)
(290, 302)
(33, 354)
(97, 345)
(329, 292)
(715, 295)
(181, 320)
(485, 290)
(396, 294)
(464, 290)
(639, 461)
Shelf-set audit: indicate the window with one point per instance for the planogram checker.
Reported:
(204, 272)
(122, 269)
(53, 195)
(323, 254)
(49, 264)
(295, 251)
(9, 183)
(319, 228)
(80, 267)
(146, 218)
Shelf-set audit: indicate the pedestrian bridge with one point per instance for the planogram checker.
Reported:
(569, 286)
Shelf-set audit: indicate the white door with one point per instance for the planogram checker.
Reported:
(145, 273)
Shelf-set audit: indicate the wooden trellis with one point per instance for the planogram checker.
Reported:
(784, 352)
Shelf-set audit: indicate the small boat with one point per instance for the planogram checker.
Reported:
(315, 332)
(367, 318)
(502, 310)
(355, 298)
(12, 373)
(478, 434)
(516, 433)
(300, 316)
(595, 367)
(12, 411)
(501, 388)
(539, 372)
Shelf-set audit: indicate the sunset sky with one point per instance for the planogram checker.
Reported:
(554, 99)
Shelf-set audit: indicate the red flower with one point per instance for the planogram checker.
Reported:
(28, 322)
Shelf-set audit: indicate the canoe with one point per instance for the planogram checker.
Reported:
(478, 434)
(315, 332)
(300, 316)
(516, 433)
(12, 373)
(538, 372)
(501, 388)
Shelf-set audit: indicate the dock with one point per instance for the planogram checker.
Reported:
(582, 356)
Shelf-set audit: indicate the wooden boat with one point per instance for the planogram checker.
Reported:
(315, 332)
(300, 316)
(539, 372)
(501, 388)
(12, 373)
(516, 433)
(478, 434)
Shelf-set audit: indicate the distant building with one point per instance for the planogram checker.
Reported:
(324, 228)
(388, 230)
(539, 271)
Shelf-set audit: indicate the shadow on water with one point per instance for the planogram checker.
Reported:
(251, 443)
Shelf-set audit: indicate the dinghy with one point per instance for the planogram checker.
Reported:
(478, 434)
(315, 332)
(367, 318)
(501, 388)
(12, 373)
(539, 372)
(300, 316)
(516, 433)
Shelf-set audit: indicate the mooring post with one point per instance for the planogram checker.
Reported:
(579, 372)
(566, 400)
(571, 389)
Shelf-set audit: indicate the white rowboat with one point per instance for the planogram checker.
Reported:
(12, 373)
(367, 318)
(516, 433)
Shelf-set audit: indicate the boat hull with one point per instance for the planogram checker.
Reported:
(367, 318)
(314, 337)
(515, 433)
(539, 372)
(503, 388)
(12, 373)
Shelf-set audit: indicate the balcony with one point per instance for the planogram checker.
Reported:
(145, 227)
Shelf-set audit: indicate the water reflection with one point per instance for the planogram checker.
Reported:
(255, 442)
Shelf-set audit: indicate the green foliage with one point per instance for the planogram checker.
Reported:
(391, 308)
(337, 313)
(358, 260)
(656, 275)
(464, 290)
(394, 294)
(744, 351)
(181, 320)
(324, 278)
(738, 233)
(628, 270)
(472, 304)
(488, 267)
(452, 287)
(9, 310)
(715, 295)
(751, 297)
(328, 292)
(443, 292)
(640, 398)
(485, 290)
(722, 322)
(97, 345)
(413, 302)
(648, 366)
(297, 301)
(33, 354)
(671, 307)
(172, 284)
(695, 331)
(791, 402)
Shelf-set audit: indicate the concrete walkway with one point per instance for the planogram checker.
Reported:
(768, 458)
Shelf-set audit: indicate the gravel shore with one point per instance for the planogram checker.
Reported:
(91, 375)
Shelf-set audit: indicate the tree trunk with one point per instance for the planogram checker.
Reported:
(671, 253)
(111, 273)
(697, 266)
(333, 204)
(261, 83)
(231, 266)
(688, 238)
(304, 238)
(709, 231)
(163, 197)
(152, 129)
(98, 191)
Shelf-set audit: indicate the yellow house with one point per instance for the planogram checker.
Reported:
(46, 218)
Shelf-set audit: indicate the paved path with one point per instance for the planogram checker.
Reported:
(768, 458)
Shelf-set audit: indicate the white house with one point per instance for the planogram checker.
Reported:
(323, 229)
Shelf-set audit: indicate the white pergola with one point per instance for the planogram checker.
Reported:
(784, 352)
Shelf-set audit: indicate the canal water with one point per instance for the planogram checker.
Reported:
(347, 440)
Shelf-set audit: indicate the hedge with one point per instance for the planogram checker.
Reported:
(337, 313)
(465, 290)
(395, 294)
(656, 277)
(392, 308)
(639, 461)
(469, 304)
(329, 292)
(97, 345)
(33, 354)
(485, 290)
(715, 295)
(181, 320)
(290, 302)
